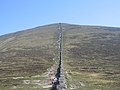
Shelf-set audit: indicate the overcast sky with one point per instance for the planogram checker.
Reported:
(16, 15)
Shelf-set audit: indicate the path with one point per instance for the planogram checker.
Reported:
(59, 82)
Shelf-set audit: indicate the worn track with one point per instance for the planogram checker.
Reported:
(59, 82)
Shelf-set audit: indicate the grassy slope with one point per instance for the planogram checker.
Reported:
(24, 55)
(92, 57)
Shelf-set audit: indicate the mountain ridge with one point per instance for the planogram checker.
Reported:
(38, 27)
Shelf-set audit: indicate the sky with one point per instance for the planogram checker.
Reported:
(17, 15)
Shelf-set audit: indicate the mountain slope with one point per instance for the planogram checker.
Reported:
(25, 54)
(91, 57)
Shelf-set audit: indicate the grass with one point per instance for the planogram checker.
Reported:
(25, 56)
(91, 58)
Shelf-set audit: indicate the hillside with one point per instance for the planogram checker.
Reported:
(91, 57)
(26, 54)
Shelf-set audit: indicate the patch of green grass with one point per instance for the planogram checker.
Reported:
(91, 59)
(26, 55)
